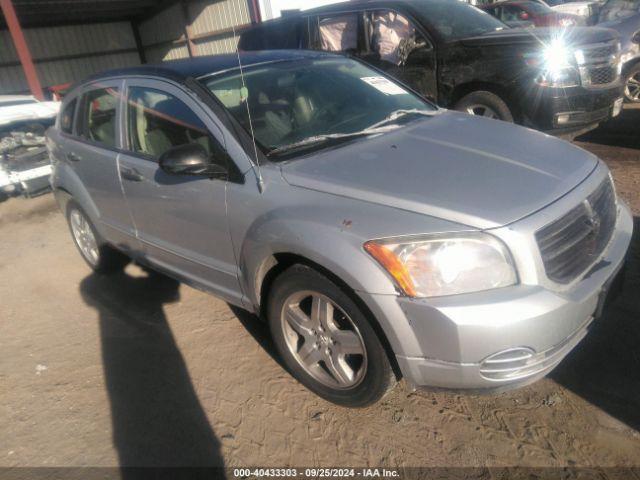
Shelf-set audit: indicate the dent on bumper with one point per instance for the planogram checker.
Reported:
(460, 341)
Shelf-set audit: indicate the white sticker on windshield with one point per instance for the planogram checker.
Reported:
(384, 85)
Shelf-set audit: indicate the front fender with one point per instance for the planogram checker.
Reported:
(328, 230)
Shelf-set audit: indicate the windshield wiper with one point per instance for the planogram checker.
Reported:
(397, 114)
(377, 128)
(320, 139)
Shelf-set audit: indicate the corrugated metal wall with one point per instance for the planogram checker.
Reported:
(67, 53)
(70, 53)
(210, 22)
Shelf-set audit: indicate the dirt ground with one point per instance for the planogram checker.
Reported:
(139, 370)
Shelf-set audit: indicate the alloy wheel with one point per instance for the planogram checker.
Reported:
(323, 340)
(84, 237)
(482, 111)
(632, 88)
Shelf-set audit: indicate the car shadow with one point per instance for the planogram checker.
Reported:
(157, 418)
(617, 132)
(604, 368)
(259, 330)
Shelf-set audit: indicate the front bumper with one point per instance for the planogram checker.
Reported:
(577, 109)
(30, 183)
(501, 338)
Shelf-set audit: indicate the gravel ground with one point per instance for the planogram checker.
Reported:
(139, 370)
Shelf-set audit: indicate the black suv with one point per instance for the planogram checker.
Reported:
(559, 81)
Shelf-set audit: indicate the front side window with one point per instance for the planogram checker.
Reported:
(66, 119)
(297, 100)
(394, 36)
(338, 33)
(158, 121)
(99, 116)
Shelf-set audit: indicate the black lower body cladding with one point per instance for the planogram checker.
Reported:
(565, 110)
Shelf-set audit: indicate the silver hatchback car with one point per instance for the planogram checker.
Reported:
(378, 235)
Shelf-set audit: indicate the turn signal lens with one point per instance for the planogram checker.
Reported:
(392, 264)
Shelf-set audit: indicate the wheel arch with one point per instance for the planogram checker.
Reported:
(277, 263)
(466, 88)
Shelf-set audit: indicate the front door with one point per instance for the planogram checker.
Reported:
(395, 44)
(180, 220)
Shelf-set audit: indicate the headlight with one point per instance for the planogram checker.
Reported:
(556, 64)
(433, 266)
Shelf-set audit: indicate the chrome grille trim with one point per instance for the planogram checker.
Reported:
(571, 244)
(599, 63)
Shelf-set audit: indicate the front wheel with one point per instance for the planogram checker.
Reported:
(99, 256)
(326, 341)
(632, 84)
(485, 104)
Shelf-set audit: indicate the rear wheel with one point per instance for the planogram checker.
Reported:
(485, 104)
(632, 84)
(99, 256)
(326, 341)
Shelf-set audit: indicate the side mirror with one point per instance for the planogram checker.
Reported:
(191, 159)
(636, 38)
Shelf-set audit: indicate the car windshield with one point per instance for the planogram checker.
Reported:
(456, 19)
(619, 9)
(311, 103)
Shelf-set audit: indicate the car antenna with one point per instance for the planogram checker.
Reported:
(256, 168)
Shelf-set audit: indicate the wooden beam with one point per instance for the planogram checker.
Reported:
(22, 48)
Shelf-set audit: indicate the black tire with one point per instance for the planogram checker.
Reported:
(109, 259)
(632, 96)
(376, 379)
(3, 197)
(491, 102)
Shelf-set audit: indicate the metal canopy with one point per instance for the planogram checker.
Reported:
(40, 13)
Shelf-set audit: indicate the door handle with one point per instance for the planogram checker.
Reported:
(131, 175)
(72, 157)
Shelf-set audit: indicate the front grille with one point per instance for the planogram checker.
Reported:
(575, 241)
(601, 52)
(598, 63)
(602, 75)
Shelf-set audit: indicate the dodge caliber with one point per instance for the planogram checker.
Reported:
(379, 236)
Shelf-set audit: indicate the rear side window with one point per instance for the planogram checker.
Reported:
(66, 119)
(158, 121)
(98, 122)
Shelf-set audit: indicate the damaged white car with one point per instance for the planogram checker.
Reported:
(24, 162)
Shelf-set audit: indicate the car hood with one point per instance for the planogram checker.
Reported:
(474, 171)
(511, 36)
(26, 112)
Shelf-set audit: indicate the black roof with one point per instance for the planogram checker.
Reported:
(180, 70)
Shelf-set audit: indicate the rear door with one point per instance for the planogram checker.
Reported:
(180, 220)
(92, 151)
